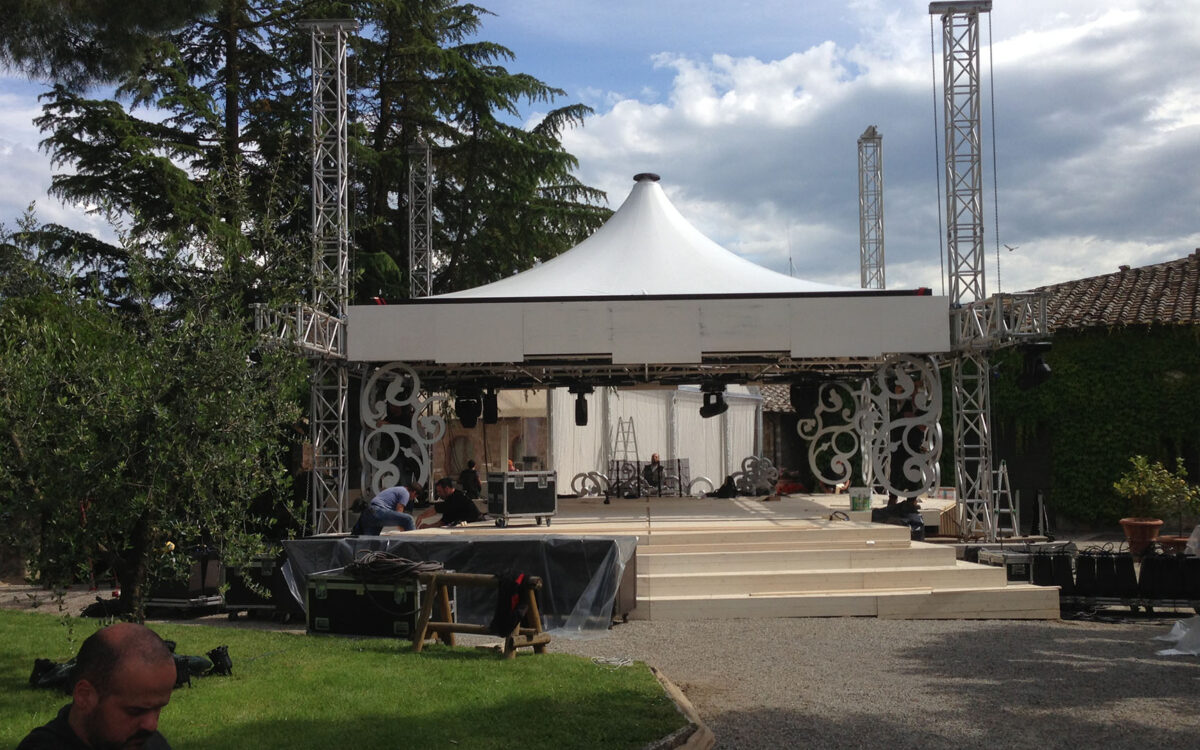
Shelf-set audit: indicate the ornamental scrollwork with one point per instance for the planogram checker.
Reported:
(398, 419)
(832, 431)
(905, 412)
(757, 472)
(893, 418)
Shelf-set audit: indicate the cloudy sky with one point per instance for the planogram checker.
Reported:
(751, 113)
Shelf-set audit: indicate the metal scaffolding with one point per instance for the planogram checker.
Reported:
(331, 272)
(870, 208)
(971, 368)
(964, 169)
(420, 221)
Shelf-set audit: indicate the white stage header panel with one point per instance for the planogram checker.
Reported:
(666, 331)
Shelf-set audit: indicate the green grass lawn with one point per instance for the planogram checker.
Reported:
(295, 691)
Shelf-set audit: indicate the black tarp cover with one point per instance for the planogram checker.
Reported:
(580, 575)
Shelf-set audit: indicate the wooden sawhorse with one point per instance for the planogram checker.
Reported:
(527, 632)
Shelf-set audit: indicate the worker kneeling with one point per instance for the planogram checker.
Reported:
(388, 508)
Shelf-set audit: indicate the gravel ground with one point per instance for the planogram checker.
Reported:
(866, 683)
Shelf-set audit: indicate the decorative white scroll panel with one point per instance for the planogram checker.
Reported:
(906, 406)
(383, 441)
(893, 416)
(833, 430)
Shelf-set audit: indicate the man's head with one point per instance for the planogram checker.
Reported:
(654, 458)
(444, 487)
(415, 492)
(471, 464)
(124, 675)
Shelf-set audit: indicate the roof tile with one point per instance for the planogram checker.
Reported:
(1164, 293)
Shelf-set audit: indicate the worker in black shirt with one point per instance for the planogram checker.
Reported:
(455, 507)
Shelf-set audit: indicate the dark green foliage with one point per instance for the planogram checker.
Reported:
(127, 427)
(230, 94)
(1113, 394)
(504, 196)
(82, 42)
(135, 391)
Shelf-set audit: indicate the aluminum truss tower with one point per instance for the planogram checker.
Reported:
(978, 324)
(964, 249)
(964, 169)
(331, 272)
(870, 208)
(420, 221)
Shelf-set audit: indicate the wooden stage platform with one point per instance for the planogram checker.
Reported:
(748, 558)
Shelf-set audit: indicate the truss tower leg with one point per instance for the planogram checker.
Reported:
(973, 445)
(329, 391)
(420, 222)
(965, 260)
(331, 269)
(870, 209)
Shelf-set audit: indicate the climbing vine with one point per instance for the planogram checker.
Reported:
(1114, 393)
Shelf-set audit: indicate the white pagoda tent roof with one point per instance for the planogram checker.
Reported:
(645, 248)
(647, 299)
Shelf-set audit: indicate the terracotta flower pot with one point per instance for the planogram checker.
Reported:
(1173, 543)
(1140, 532)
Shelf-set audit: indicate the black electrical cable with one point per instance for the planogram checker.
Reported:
(384, 567)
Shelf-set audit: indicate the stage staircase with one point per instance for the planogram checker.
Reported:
(718, 559)
(821, 569)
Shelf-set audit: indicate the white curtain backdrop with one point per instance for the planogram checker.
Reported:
(702, 441)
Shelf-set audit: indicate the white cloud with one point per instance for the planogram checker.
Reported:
(1098, 142)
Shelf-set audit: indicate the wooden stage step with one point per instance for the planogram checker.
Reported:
(954, 575)
(651, 561)
(1017, 602)
(819, 569)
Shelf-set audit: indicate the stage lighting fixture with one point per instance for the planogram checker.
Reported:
(714, 401)
(1034, 371)
(468, 408)
(581, 407)
(491, 407)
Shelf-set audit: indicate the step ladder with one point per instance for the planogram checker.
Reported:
(625, 441)
(1005, 513)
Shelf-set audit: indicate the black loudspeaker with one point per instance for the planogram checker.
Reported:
(1162, 576)
(1042, 573)
(1191, 578)
(1126, 578)
(1085, 574)
(1061, 566)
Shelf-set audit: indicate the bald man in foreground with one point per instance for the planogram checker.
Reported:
(123, 675)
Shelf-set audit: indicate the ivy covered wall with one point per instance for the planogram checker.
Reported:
(1114, 393)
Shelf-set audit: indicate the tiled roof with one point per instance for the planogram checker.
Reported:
(1164, 293)
(776, 398)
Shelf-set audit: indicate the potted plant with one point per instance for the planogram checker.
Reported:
(1153, 492)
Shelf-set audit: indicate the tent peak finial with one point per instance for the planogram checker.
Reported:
(645, 177)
